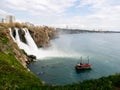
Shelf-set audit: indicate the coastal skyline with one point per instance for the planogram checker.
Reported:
(79, 14)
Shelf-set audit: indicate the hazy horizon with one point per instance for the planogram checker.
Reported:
(78, 14)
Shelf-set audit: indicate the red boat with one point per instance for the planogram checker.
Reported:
(83, 66)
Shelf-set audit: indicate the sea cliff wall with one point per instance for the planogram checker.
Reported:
(7, 45)
(40, 34)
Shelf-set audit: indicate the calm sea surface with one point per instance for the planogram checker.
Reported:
(58, 67)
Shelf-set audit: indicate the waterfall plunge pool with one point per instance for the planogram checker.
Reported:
(58, 66)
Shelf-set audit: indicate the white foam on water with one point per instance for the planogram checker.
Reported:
(31, 48)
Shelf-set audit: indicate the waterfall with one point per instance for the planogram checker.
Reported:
(30, 48)
(11, 34)
(21, 45)
(17, 37)
(30, 41)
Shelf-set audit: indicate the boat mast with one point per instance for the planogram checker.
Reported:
(81, 59)
(88, 59)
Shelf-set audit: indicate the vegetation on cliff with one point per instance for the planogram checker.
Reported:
(12, 73)
(13, 76)
(41, 34)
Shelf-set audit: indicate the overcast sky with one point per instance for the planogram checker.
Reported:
(83, 14)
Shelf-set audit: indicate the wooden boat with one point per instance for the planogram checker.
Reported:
(83, 66)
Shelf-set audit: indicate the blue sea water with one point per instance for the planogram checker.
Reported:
(103, 51)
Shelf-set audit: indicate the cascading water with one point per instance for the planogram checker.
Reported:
(30, 41)
(11, 34)
(21, 44)
(31, 48)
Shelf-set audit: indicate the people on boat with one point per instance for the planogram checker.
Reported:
(80, 63)
(83, 66)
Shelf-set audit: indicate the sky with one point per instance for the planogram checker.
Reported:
(75, 14)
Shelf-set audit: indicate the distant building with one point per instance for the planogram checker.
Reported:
(29, 24)
(10, 19)
(66, 26)
(2, 20)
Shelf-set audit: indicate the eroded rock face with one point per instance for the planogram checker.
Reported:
(40, 37)
(13, 33)
(30, 58)
(22, 35)
(40, 34)
(10, 44)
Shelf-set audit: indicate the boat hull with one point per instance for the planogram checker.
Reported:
(83, 66)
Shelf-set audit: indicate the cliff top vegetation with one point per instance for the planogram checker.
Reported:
(13, 76)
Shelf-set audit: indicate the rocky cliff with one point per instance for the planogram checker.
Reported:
(8, 46)
(41, 35)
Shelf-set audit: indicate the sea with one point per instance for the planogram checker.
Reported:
(58, 67)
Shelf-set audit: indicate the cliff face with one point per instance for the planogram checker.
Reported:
(41, 36)
(8, 46)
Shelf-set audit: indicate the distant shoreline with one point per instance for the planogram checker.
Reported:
(77, 31)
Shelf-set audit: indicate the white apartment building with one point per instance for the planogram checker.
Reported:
(10, 19)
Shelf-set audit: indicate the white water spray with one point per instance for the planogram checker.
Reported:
(31, 48)
(32, 45)
(29, 39)
(11, 34)
(21, 44)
